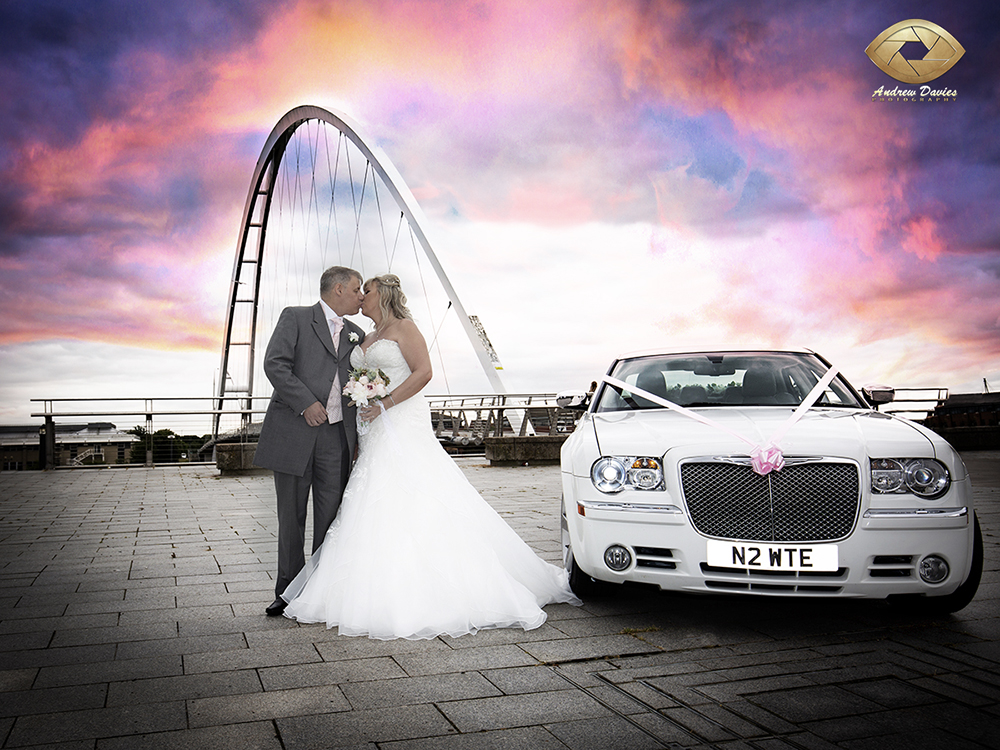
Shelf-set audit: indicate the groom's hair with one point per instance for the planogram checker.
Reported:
(336, 275)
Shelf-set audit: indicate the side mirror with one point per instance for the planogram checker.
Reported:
(578, 400)
(879, 394)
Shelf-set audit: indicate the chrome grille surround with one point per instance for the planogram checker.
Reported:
(809, 500)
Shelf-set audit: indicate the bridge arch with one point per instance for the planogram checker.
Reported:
(239, 347)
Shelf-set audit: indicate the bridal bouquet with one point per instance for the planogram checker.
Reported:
(365, 385)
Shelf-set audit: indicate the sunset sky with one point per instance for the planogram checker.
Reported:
(598, 177)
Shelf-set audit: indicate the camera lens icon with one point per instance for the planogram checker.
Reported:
(942, 51)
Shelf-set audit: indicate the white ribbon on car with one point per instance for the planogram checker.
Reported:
(764, 458)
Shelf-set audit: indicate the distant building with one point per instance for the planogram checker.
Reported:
(89, 444)
(969, 421)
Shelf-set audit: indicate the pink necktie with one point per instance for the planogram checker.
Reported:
(338, 326)
(334, 404)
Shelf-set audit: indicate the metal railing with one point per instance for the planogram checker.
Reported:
(97, 423)
(462, 420)
(915, 403)
(469, 420)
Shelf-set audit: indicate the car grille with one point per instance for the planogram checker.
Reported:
(808, 502)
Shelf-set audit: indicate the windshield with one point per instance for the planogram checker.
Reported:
(724, 379)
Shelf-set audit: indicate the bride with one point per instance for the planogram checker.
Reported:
(415, 552)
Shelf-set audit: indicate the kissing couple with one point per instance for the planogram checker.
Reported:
(403, 545)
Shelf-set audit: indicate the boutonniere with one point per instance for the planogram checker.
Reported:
(352, 337)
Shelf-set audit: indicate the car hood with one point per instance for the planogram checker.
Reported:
(852, 434)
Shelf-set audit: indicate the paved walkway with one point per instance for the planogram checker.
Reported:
(131, 616)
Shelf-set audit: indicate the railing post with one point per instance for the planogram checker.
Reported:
(149, 432)
(48, 444)
(246, 419)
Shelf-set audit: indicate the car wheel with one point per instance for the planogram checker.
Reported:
(963, 595)
(583, 585)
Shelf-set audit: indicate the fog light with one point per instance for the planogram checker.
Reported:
(617, 557)
(933, 569)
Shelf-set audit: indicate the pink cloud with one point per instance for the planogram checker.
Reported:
(533, 113)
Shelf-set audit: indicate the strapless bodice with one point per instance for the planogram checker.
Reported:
(384, 355)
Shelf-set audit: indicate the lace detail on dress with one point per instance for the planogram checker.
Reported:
(407, 420)
(386, 356)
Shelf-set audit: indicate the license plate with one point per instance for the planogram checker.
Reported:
(789, 557)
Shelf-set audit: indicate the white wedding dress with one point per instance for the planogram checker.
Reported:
(415, 552)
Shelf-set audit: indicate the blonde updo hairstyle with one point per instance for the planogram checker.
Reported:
(391, 300)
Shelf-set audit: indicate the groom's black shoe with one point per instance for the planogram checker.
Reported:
(276, 607)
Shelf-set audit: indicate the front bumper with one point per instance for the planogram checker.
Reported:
(879, 558)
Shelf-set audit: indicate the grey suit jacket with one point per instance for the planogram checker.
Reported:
(301, 363)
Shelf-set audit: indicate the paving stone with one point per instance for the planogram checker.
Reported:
(571, 649)
(504, 635)
(222, 710)
(57, 656)
(102, 722)
(193, 645)
(175, 614)
(586, 673)
(109, 671)
(415, 690)
(26, 641)
(699, 723)
(464, 660)
(611, 733)
(716, 687)
(515, 680)
(357, 727)
(659, 665)
(162, 602)
(17, 679)
(640, 691)
(535, 738)
(42, 701)
(250, 658)
(952, 692)
(259, 735)
(225, 622)
(333, 647)
(813, 704)
(116, 634)
(183, 687)
(330, 673)
(982, 692)
(670, 733)
(911, 740)
(36, 612)
(759, 717)
(522, 710)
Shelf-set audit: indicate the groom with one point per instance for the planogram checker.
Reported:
(310, 431)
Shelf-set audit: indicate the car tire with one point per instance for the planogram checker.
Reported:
(583, 585)
(962, 596)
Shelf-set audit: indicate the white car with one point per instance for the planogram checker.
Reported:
(762, 472)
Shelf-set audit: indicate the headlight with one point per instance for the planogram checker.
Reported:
(923, 477)
(611, 474)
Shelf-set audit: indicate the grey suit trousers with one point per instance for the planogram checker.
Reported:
(326, 476)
